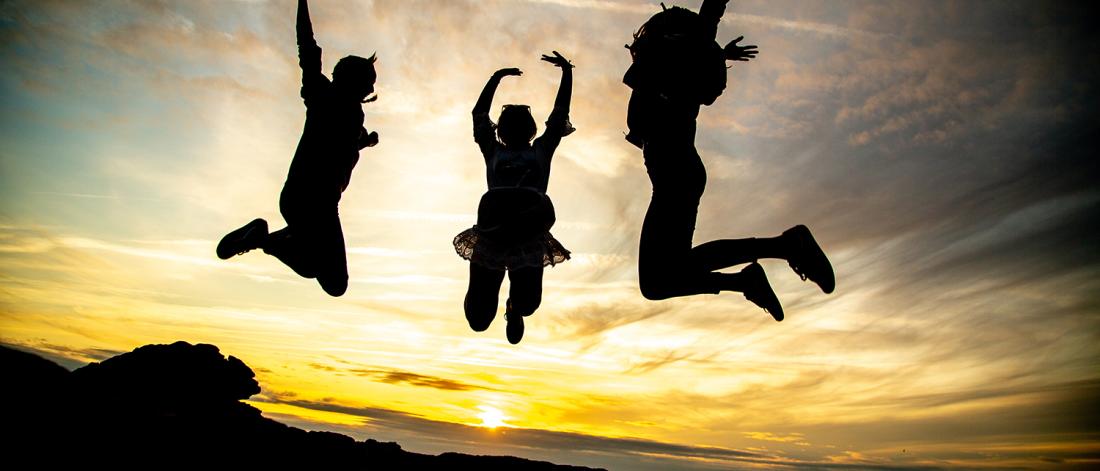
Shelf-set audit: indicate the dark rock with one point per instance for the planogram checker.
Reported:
(178, 407)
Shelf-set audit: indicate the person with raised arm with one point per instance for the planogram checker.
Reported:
(312, 243)
(512, 234)
(678, 67)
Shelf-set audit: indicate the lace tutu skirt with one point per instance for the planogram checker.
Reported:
(512, 231)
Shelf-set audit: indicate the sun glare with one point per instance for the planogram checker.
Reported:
(491, 417)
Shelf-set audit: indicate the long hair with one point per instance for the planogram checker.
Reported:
(669, 24)
(671, 56)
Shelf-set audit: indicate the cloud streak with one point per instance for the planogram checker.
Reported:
(392, 376)
(941, 152)
(609, 450)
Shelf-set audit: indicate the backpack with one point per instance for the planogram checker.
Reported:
(673, 56)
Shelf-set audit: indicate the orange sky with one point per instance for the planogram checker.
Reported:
(933, 147)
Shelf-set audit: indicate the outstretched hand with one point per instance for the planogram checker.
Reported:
(739, 53)
(508, 72)
(558, 60)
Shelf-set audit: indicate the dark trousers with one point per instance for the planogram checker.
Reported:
(524, 293)
(668, 265)
(312, 244)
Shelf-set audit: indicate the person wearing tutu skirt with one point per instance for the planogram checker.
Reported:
(312, 243)
(512, 234)
(678, 67)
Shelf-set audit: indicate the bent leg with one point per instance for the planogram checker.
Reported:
(666, 267)
(292, 244)
(524, 290)
(482, 296)
(664, 249)
(312, 245)
(332, 272)
(725, 253)
(291, 248)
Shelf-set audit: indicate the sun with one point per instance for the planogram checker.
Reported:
(491, 417)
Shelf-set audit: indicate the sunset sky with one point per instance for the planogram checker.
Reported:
(943, 153)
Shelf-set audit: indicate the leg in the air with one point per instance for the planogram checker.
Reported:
(524, 290)
(524, 297)
(753, 284)
(291, 247)
(482, 296)
(333, 272)
(719, 254)
(249, 237)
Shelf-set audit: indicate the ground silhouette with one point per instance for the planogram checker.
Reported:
(174, 407)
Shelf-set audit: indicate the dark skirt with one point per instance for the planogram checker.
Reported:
(512, 231)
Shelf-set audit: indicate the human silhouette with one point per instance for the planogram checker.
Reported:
(312, 243)
(677, 67)
(514, 217)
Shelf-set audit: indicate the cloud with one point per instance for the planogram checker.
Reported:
(667, 358)
(644, 454)
(771, 437)
(941, 152)
(595, 319)
(70, 358)
(393, 376)
(649, 8)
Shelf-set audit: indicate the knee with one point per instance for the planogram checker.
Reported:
(525, 305)
(479, 315)
(479, 320)
(654, 289)
(334, 286)
(479, 324)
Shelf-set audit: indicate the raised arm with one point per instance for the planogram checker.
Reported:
(484, 132)
(309, 53)
(304, 27)
(711, 12)
(565, 89)
(485, 101)
(557, 126)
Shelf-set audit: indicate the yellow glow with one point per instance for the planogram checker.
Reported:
(335, 418)
(491, 417)
(123, 255)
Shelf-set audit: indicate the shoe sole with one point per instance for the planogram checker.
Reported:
(237, 237)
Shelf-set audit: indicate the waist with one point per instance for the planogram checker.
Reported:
(515, 207)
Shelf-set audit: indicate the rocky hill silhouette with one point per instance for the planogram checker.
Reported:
(179, 406)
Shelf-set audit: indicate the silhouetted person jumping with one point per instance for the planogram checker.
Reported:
(678, 67)
(515, 216)
(312, 244)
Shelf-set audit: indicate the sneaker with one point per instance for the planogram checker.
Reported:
(514, 328)
(808, 260)
(248, 237)
(759, 291)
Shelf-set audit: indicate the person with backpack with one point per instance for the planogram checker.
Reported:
(678, 67)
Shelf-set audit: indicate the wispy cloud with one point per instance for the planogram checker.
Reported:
(68, 357)
(941, 152)
(650, 8)
(393, 376)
